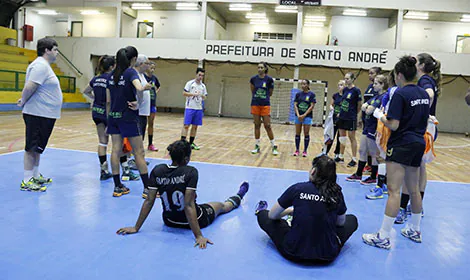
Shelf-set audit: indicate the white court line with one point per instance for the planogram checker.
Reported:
(253, 167)
(453, 147)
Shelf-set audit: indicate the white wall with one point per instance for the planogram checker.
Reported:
(432, 35)
(43, 26)
(363, 32)
(214, 31)
(97, 25)
(245, 31)
(167, 24)
(315, 35)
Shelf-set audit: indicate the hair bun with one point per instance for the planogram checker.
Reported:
(411, 61)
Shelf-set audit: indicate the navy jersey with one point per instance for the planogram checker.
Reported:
(351, 97)
(337, 99)
(99, 84)
(409, 105)
(426, 82)
(313, 232)
(370, 122)
(122, 93)
(153, 92)
(304, 100)
(260, 96)
(369, 93)
(172, 183)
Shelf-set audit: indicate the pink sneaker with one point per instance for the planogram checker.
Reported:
(304, 154)
(354, 178)
(152, 148)
(296, 154)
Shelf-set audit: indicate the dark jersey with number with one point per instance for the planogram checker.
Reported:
(172, 183)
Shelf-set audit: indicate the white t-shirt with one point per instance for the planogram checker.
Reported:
(46, 101)
(144, 103)
(194, 102)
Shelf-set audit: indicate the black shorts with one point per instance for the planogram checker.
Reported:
(38, 131)
(409, 155)
(124, 128)
(206, 217)
(349, 125)
(98, 121)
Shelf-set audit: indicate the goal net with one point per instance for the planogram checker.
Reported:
(282, 101)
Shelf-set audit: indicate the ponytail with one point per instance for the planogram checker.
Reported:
(433, 67)
(437, 76)
(324, 179)
(123, 58)
(105, 63)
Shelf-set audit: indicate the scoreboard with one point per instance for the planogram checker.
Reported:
(300, 2)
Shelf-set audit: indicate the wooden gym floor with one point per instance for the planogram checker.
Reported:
(227, 141)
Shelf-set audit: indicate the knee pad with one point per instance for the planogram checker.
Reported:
(343, 140)
(103, 145)
(235, 200)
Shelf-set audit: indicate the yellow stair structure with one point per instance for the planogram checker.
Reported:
(13, 64)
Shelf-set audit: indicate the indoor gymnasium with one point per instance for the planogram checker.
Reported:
(234, 139)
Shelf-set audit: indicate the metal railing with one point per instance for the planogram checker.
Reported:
(14, 81)
(70, 63)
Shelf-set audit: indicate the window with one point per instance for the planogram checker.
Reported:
(273, 36)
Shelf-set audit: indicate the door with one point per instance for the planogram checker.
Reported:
(77, 28)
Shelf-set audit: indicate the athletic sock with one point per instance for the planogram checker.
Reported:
(306, 142)
(102, 159)
(369, 161)
(297, 142)
(341, 156)
(36, 171)
(416, 221)
(257, 141)
(28, 174)
(191, 139)
(272, 143)
(117, 180)
(355, 159)
(150, 139)
(387, 224)
(145, 180)
(374, 171)
(405, 198)
(235, 200)
(422, 195)
(381, 181)
(360, 167)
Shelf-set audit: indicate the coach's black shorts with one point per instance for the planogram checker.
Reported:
(409, 155)
(349, 125)
(38, 131)
(206, 217)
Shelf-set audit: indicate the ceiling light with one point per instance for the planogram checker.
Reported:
(91, 12)
(315, 18)
(187, 6)
(141, 6)
(465, 18)
(240, 7)
(354, 12)
(314, 24)
(286, 9)
(259, 21)
(416, 15)
(47, 12)
(256, 15)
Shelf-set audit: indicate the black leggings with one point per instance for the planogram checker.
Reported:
(143, 125)
(336, 135)
(277, 230)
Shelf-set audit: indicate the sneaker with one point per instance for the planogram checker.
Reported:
(369, 181)
(373, 239)
(120, 191)
(354, 178)
(304, 154)
(339, 160)
(352, 163)
(275, 152)
(129, 176)
(256, 150)
(132, 164)
(296, 153)
(243, 189)
(367, 170)
(385, 189)
(411, 234)
(336, 156)
(105, 175)
(402, 217)
(32, 186)
(377, 194)
(145, 193)
(195, 147)
(152, 148)
(262, 205)
(41, 180)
